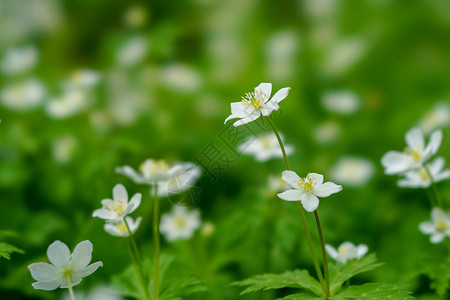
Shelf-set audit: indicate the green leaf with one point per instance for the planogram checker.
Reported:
(341, 273)
(302, 296)
(376, 291)
(187, 286)
(293, 279)
(438, 270)
(7, 249)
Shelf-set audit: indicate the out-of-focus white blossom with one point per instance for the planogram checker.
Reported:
(19, 60)
(343, 55)
(352, 171)
(263, 147)
(181, 78)
(179, 183)
(120, 229)
(72, 102)
(83, 79)
(341, 102)
(420, 178)
(346, 251)
(23, 95)
(438, 117)
(439, 226)
(327, 133)
(63, 148)
(132, 52)
(280, 50)
(180, 223)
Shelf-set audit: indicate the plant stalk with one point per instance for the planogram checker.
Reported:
(324, 255)
(156, 259)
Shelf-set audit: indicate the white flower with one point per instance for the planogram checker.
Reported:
(343, 55)
(19, 60)
(120, 229)
(182, 78)
(308, 189)
(341, 102)
(64, 264)
(23, 95)
(327, 132)
(438, 117)
(419, 178)
(114, 210)
(180, 223)
(132, 52)
(439, 227)
(70, 103)
(179, 183)
(83, 79)
(276, 184)
(255, 104)
(352, 171)
(63, 148)
(98, 293)
(415, 155)
(264, 147)
(346, 251)
(151, 171)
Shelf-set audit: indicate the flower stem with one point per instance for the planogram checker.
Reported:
(440, 204)
(302, 214)
(135, 257)
(324, 255)
(69, 285)
(156, 243)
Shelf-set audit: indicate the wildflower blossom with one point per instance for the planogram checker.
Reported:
(180, 223)
(308, 189)
(65, 268)
(151, 171)
(19, 60)
(257, 103)
(97, 293)
(415, 155)
(83, 79)
(121, 229)
(341, 102)
(352, 171)
(437, 117)
(23, 95)
(70, 103)
(346, 251)
(179, 183)
(439, 226)
(114, 210)
(264, 147)
(132, 52)
(420, 178)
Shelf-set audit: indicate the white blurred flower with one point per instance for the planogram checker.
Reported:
(83, 79)
(151, 171)
(438, 227)
(308, 189)
(346, 251)
(257, 103)
(280, 50)
(326, 133)
(263, 147)
(135, 16)
(420, 178)
(98, 293)
(352, 171)
(19, 60)
(72, 102)
(23, 95)
(132, 52)
(63, 148)
(415, 155)
(181, 78)
(276, 184)
(121, 229)
(180, 223)
(343, 55)
(438, 117)
(65, 267)
(341, 102)
(114, 210)
(179, 183)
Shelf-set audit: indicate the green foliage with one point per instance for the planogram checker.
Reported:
(7, 249)
(439, 273)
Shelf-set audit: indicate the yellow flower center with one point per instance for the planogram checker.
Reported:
(149, 169)
(118, 207)
(414, 154)
(306, 184)
(179, 222)
(441, 225)
(343, 250)
(266, 142)
(254, 99)
(122, 227)
(424, 175)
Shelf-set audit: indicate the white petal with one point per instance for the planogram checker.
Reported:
(280, 95)
(414, 139)
(290, 195)
(134, 203)
(266, 111)
(361, 250)
(89, 269)
(238, 109)
(437, 238)
(309, 202)
(436, 165)
(442, 176)
(44, 271)
(112, 230)
(326, 189)
(291, 178)
(331, 251)
(433, 144)
(107, 202)
(120, 193)
(82, 255)
(134, 225)
(266, 89)
(317, 178)
(252, 117)
(427, 227)
(74, 280)
(59, 254)
(48, 285)
(132, 174)
(395, 162)
(104, 214)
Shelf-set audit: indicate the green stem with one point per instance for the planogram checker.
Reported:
(156, 243)
(324, 255)
(69, 285)
(302, 214)
(136, 261)
(440, 204)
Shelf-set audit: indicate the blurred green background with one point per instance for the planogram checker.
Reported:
(361, 74)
